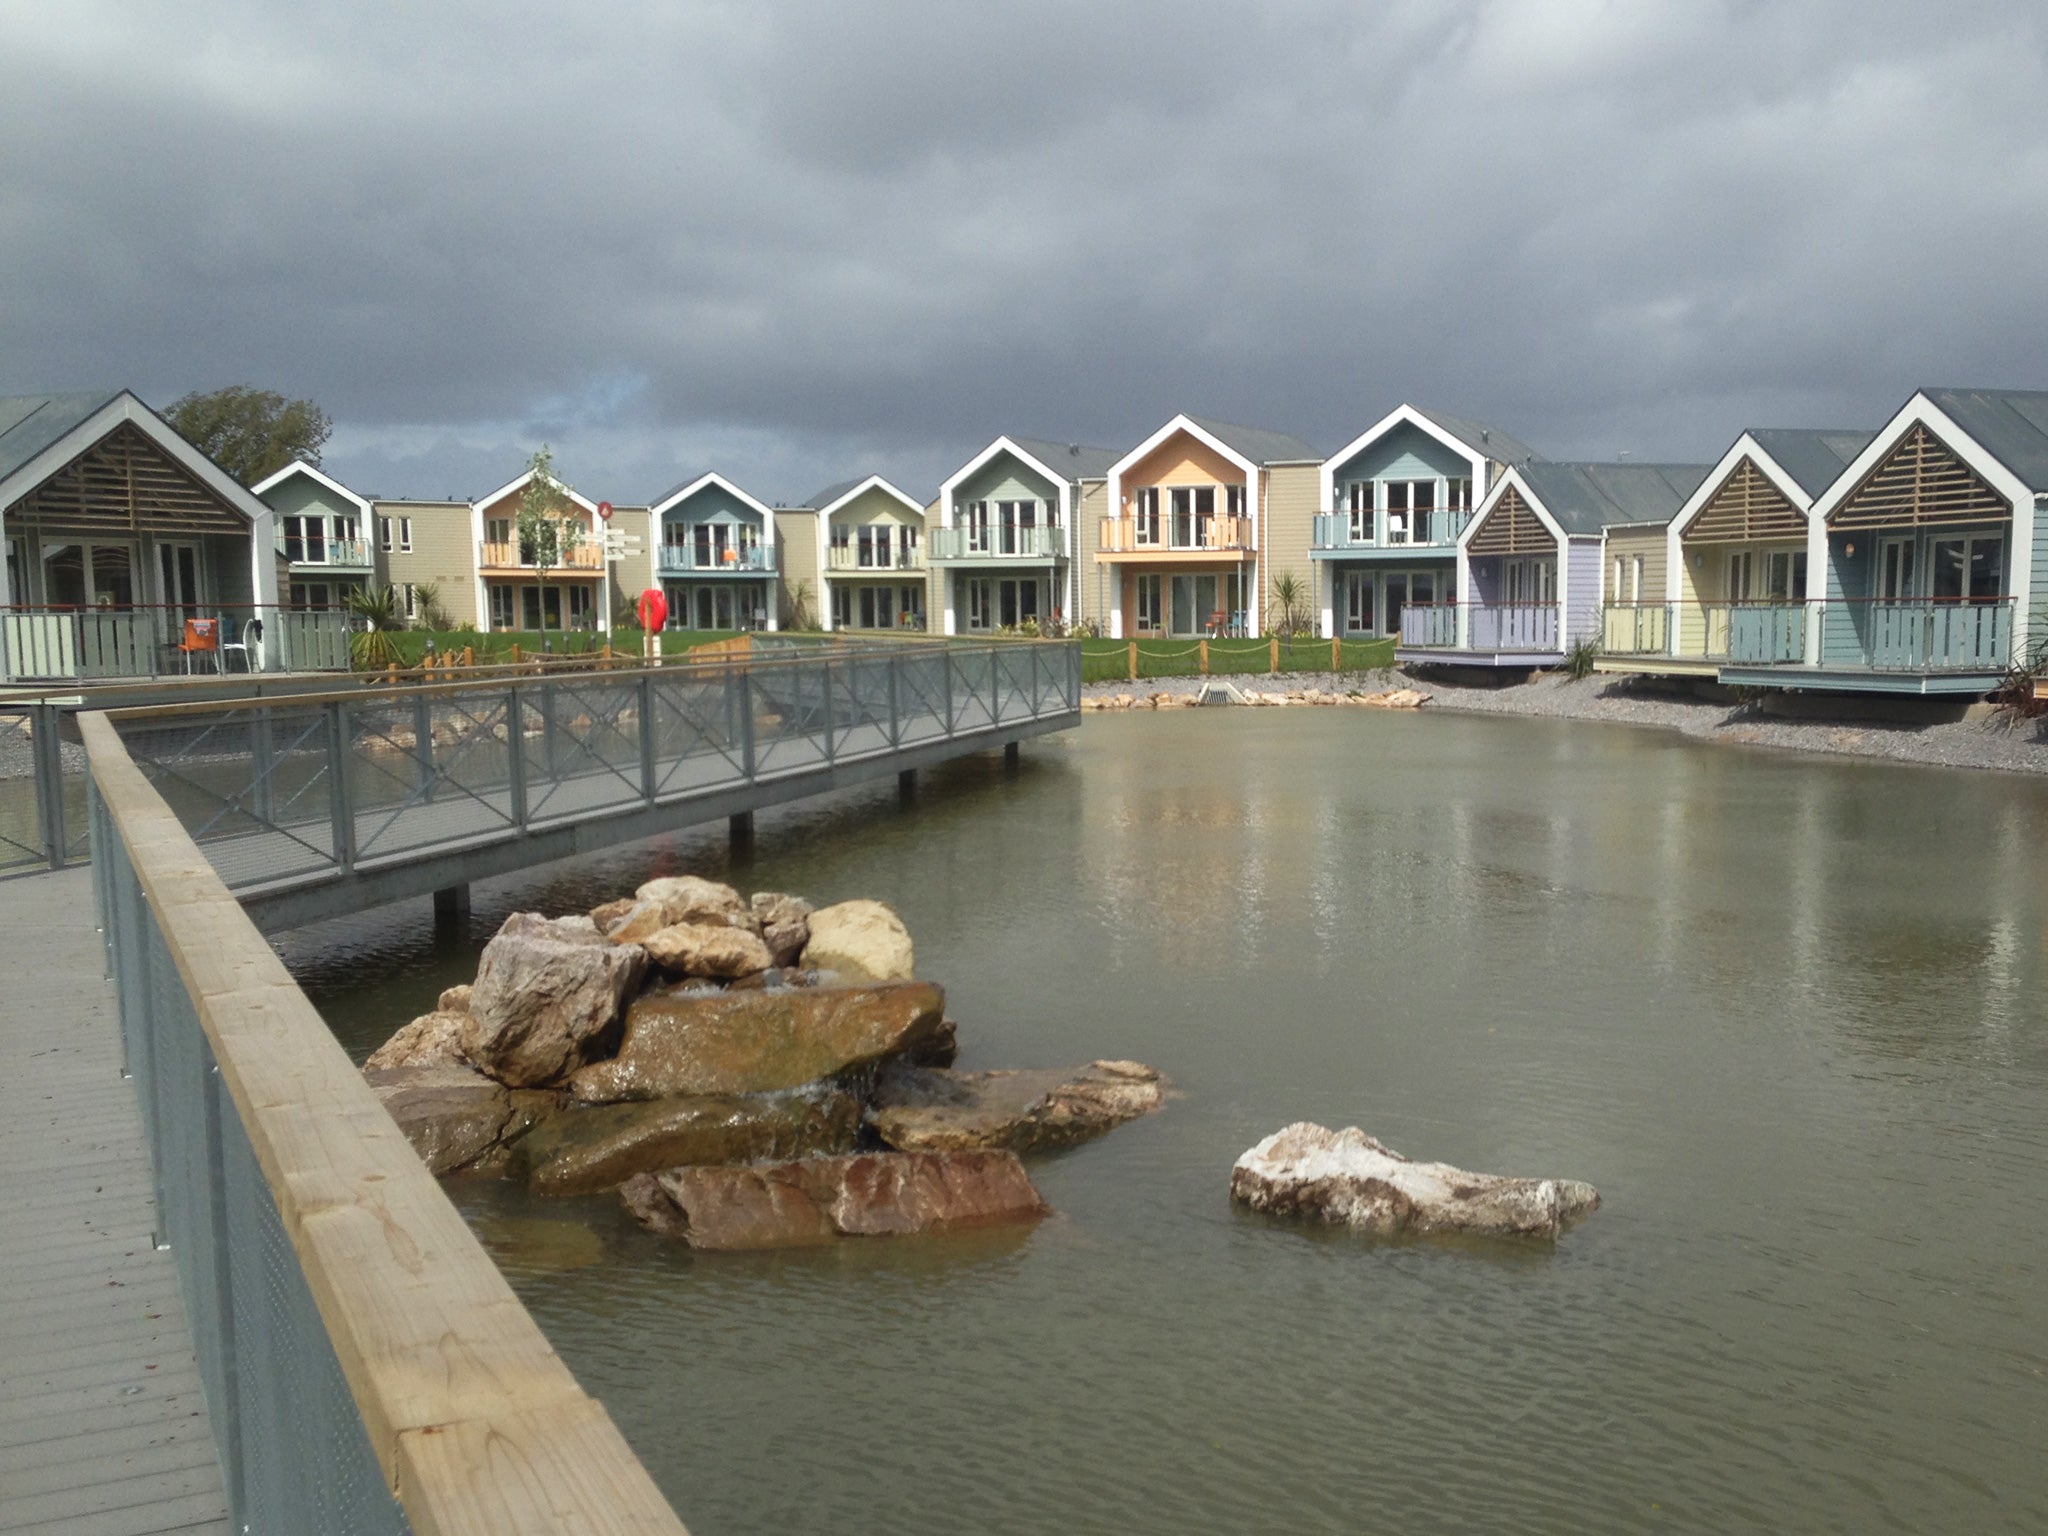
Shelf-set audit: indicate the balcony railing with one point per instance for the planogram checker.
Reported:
(1218, 535)
(997, 541)
(1488, 626)
(1635, 629)
(1925, 635)
(587, 558)
(1430, 626)
(1757, 633)
(326, 553)
(851, 557)
(685, 559)
(1438, 528)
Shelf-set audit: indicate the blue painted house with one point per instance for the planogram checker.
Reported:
(1529, 564)
(1925, 574)
(715, 556)
(1003, 548)
(1395, 501)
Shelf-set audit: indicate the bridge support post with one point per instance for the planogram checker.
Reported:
(906, 785)
(1012, 754)
(740, 832)
(451, 909)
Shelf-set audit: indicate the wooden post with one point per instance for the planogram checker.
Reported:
(515, 653)
(1205, 656)
(1273, 649)
(1336, 654)
(1134, 661)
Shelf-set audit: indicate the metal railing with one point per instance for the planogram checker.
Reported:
(851, 557)
(366, 1368)
(1223, 535)
(587, 558)
(998, 541)
(1635, 629)
(284, 794)
(1927, 635)
(1431, 626)
(324, 552)
(1432, 528)
(1765, 633)
(727, 559)
(1487, 626)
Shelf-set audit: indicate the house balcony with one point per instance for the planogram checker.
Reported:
(1493, 633)
(1171, 539)
(586, 559)
(996, 542)
(1635, 629)
(730, 560)
(1352, 535)
(851, 560)
(326, 554)
(1885, 645)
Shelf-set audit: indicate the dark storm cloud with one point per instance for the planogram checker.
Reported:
(795, 241)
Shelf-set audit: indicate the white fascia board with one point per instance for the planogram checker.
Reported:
(1513, 477)
(1917, 411)
(1180, 423)
(1001, 445)
(1400, 415)
(312, 472)
(873, 482)
(519, 483)
(723, 484)
(127, 407)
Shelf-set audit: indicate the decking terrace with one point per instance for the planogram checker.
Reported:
(103, 1429)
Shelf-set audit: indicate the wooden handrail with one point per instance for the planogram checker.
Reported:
(475, 1421)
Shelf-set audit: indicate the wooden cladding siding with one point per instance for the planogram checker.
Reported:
(1747, 508)
(1628, 545)
(1511, 528)
(125, 483)
(796, 545)
(1921, 483)
(1293, 492)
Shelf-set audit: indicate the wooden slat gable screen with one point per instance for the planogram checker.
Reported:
(1747, 507)
(1511, 529)
(124, 483)
(1921, 483)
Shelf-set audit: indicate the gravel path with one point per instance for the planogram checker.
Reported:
(1993, 744)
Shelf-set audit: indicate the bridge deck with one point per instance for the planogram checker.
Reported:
(103, 1430)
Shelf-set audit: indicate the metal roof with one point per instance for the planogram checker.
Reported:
(1256, 443)
(1482, 439)
(1814, 457)
(2011, 424)
(1585, 498)
(31, 423)
(830, 494)
(1073, 460)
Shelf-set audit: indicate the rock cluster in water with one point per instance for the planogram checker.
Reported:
(753, 1071)
(1346, 1178)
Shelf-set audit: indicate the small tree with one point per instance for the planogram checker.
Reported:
(549, 531)
(800, 617)
(249, 432)
(1290, 602)
(371, 647)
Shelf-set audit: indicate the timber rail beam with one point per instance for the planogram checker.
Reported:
(367, 1367)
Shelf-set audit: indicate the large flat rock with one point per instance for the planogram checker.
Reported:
(1346, 1178)
(928, 1110)
(821, 1199)
(586, 1148)
(453, 1115)
(761, 1040)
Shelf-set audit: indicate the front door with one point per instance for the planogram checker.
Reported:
(1397, 599)
(1895, 570)
(1358, 603)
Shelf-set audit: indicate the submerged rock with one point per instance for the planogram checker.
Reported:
(547, 997)
(861, 941)
(918, 1109)
(817, 1200)
(583, 1149)
(1346, 1178)
(760, 1040)
(454, 1115)
(431, 1040)
(1395, 698)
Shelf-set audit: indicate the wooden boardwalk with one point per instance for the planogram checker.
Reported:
(103, 1428)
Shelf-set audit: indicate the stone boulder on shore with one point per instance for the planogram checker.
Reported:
(1346, 1178)
(582, 1149)
(760, 1040)
(919, 1109)
(860, 941)
(819, 1200)
(547, 998)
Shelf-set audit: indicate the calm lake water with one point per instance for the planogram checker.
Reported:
(1787, 1013)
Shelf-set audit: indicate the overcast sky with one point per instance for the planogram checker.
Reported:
(797, 242)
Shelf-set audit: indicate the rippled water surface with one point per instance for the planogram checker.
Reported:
(1785, 1012)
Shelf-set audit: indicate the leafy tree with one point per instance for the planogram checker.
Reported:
(249, 432)
(549, 530)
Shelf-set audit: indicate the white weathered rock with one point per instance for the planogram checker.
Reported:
(547, 995)
(703, 949)
(861, 941)
(785, 924)
(690, 899)
(1346, 1178)
(431, 1040)
(454, 999)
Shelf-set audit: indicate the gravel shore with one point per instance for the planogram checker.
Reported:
(1995, 744)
